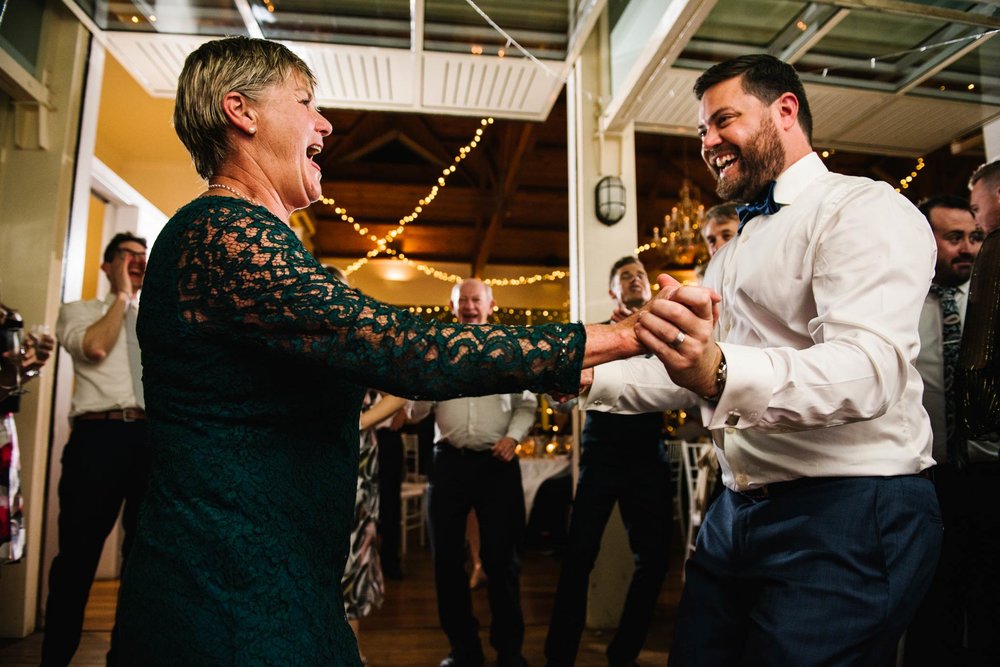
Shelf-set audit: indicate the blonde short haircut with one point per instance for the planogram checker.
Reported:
(216, 68)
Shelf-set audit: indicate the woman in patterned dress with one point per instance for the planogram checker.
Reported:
(363, 584)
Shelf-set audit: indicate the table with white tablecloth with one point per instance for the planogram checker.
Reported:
(535, 471)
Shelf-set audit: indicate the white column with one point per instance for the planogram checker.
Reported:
(594, 247)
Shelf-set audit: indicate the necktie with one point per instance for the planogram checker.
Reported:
(765, 205)
(951, 340)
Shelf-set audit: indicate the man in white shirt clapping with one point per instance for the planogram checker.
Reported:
(105, 464)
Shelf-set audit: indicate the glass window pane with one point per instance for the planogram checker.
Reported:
(540, 26)
(183, 17)
(749, 22)
(384, 23)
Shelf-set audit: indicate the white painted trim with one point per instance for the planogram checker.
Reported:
(76, 242)
(680, 20)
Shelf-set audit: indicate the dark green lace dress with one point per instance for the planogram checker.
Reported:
(255, 361)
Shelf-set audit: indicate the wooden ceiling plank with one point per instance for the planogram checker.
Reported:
(370, 133)
(525, 139)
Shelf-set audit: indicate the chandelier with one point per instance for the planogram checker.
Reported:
(680, 243)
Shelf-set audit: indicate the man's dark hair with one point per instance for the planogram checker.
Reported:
(624, 261)
(942, 201)
(989, 172)
(765, 77)
(122, 237)
(725, 211)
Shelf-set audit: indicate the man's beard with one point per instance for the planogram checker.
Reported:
(760, 161)
(634, 302)
(948, 276)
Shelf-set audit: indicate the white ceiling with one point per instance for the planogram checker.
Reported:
(864, 116)
(373, 77)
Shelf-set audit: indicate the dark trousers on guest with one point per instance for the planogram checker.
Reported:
(461, 480)
(642, 489)
(105, 465)
(958, 622)
(821, 571)
(390, 481)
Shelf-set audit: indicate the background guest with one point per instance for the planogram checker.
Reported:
(21, 359)
(105, 465)
(978, 373)
(623, 461)
(720, 227)
(938, 632)
(363, 584)
(475, 468)
(984, 195)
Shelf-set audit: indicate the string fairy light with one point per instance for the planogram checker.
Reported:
(382, 242)
(904, 183)
(449, 277)
(503, 315)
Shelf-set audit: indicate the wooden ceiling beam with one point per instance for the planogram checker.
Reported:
(524, 141)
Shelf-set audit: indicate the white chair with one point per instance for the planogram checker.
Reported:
(675, 454)
(699, 475)
(413, 493)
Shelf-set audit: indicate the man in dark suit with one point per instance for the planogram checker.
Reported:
(622, 460)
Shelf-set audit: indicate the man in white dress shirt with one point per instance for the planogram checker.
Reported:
(984, 195)
(105, 464)
(961, 582)
(474, 467)
(824, 541)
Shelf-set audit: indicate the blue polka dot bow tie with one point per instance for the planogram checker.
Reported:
(763, 206)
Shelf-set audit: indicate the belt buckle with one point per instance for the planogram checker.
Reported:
(126, 415)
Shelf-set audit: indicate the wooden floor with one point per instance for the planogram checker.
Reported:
(405, 631)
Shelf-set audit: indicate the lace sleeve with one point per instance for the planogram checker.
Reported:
(244, 275)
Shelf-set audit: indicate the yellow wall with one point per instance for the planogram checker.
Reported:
(91, 267)
(136, 139)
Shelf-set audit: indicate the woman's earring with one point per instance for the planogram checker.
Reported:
(253, 130)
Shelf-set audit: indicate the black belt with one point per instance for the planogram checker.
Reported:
(445, 446)
(777, 488)
(124, 415)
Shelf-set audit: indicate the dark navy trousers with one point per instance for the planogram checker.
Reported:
(822, 571)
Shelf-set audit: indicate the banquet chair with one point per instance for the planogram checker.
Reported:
(699, 475)
(675, 454)
(413, 493)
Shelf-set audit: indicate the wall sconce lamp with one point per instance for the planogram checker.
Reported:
(609, 200)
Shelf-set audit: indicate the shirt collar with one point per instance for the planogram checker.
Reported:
(963, 289)
(798, 177)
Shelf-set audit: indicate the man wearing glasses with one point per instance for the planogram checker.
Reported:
(106, 461)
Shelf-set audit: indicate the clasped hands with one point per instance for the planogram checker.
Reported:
(677, 325)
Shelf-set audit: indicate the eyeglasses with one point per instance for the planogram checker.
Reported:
(122, 252)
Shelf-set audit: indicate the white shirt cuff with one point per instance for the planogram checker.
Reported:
(749, 385)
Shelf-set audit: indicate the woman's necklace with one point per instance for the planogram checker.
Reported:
(220, 186)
